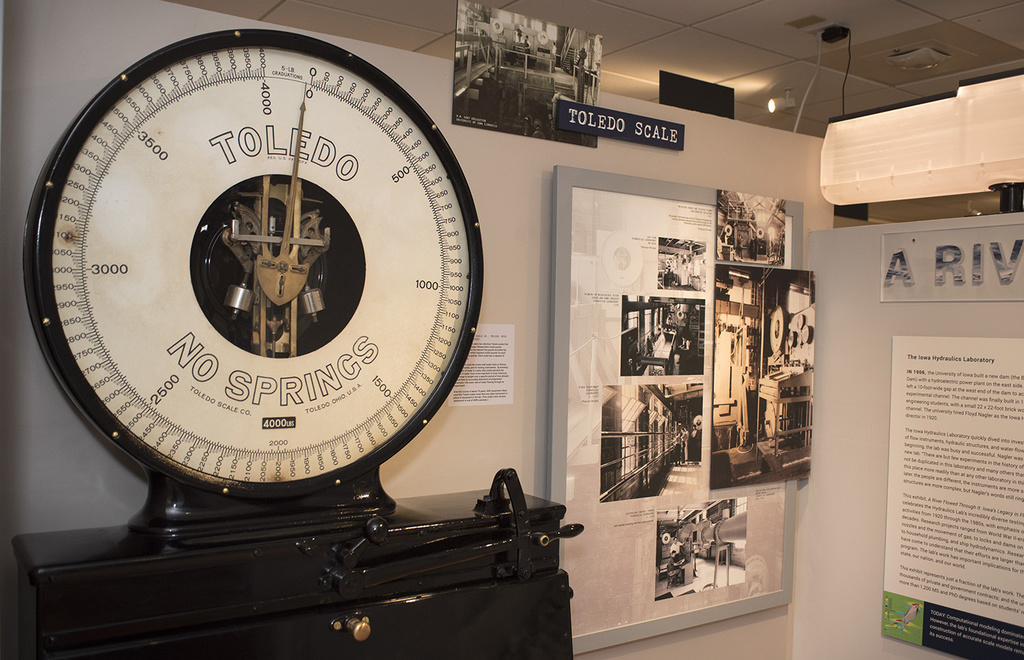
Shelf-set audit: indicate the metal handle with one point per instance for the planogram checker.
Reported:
(358, 627)
(544, 539)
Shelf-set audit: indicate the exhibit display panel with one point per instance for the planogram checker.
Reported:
(634, 289)
(867, 347)
(954, 551)
(52, 484)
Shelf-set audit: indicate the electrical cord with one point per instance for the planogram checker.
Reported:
(849, 57)
(817, 68)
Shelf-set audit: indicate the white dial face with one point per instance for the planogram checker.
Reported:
(262, 262)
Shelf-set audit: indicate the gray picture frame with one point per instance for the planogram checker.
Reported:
(566, 179)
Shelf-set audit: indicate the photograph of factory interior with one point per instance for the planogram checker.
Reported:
(763, 375)
(662, 336)
(701, 548)
(510, 69)
(682, 264)
(751, 228)
(650, 440)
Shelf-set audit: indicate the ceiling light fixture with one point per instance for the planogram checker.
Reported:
(787, 103)
(956, 144)
(918, 58)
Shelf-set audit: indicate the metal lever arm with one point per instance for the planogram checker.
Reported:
(350, 581)
(375, 531)
(543, 539)
(505, 497)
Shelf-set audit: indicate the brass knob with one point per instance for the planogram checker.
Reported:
(359, 628)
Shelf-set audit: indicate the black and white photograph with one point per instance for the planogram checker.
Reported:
(763, 375)
(682, 264)
(751, 228)
(511, 70)
(701, 547)
(650, 440)
(662, 336)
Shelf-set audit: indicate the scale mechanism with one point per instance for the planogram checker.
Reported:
(468, 575)
(309, 309)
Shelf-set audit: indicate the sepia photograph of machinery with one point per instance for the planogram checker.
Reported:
(682, 264)
(701, 548)
(510, 71)
(763, 375)
(650, 440)
(662, 336)
(751, 228)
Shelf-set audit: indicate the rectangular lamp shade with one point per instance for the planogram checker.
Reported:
(960, 144)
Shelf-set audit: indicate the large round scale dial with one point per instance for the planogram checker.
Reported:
(254, 263)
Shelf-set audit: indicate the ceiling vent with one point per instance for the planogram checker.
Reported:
(917, 58)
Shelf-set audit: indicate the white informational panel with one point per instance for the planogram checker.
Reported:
(841, 539)
(954, 535)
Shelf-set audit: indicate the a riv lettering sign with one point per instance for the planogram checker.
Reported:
(971, 263)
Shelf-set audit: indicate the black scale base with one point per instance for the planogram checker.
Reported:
(469, 575)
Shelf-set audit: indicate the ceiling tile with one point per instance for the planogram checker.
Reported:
(821, 112)
(442, 47)
(970, 50)
(826, 110)
(947, 84)
(950, 9)
(744, 44)
(811, 126)
(434, 15)
(764, 24)
(613, 83)
(618, 27)
(318, 18)
(692, 53)
(757, 115)
(757, 88)
(1005, 24)
(780, 121)
(684, 13)
(745, 111)
(254, 9)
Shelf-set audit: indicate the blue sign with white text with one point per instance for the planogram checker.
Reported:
(603, 122)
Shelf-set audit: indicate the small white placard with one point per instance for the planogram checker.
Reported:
(487, 377)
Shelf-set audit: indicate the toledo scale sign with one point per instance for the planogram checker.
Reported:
(603, 122)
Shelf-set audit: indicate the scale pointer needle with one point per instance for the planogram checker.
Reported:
(283, 278)
(294, 198)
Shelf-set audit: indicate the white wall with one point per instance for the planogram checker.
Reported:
(56, 473)
(841, 535)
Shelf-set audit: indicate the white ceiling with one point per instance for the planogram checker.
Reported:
(757, 47)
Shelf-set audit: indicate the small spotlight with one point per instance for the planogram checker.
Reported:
(786, 103)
